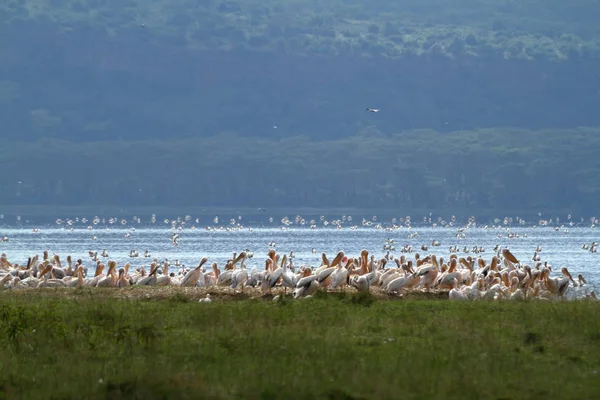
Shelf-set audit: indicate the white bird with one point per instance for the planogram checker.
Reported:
(272, 275)
(339, 277)
(289, 279)
(151, 279)
(361, 283)
(306, 286)
(195, 275)
(456, 294)
(206, 299)
(164, 279)
(373, 110)
(402, 283)
(240, 276)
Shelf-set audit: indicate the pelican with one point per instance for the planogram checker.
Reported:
(98, 275)
(240, 276)
(509, 256)
(362, 283)
(272, 275)
(205, 299)
(6, 279)
(307, 285)
(52, 282)
(324, 275)
(456, 294)
(164, 279)
(122, 281)
(389, 276)
(403, 282)
(556, 286)
(427, 273)
(468, 277)
(151, 279)
(194, 276)
(288, 278)
(110, 280)
(339, 277)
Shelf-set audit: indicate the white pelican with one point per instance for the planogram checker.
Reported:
(240, 276)
(288, 278)
(389, 276)
(272, 275)
(324, 275)
(110, 280)
(509, 256)
(403, 282)
(205, 299)
(556, 286)
(224, 278)
(363, 282)
(427, 273)
(52, 282)
(5, 280)
(122, 280)
(307, 285)
(456, 294)
(164, 279)
(151, 279)
(194, 276)
(339, 277)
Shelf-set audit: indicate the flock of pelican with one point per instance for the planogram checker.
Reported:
(463, 278)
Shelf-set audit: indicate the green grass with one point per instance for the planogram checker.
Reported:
(88, 345)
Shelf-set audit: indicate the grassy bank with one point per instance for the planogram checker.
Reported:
(89, 345)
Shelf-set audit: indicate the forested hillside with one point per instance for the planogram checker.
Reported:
(249, 102)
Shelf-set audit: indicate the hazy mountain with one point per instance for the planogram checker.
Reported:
(264, 102)
(84, 70)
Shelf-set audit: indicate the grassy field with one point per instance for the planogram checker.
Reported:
(94, 344)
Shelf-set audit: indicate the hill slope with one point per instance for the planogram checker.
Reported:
(106, 70)
(227, 102)
(519, 29)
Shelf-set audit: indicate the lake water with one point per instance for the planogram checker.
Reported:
(562, 247)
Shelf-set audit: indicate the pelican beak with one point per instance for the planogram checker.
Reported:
(337, 259)
(509, 256)
(238, 258)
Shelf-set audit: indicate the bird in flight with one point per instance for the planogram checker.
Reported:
(373, 110)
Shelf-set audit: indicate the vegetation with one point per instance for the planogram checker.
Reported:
(496, 171)
(138, 69)
(89, 346)
(262, 103)
(516, 29)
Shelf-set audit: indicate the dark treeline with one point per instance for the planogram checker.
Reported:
(500, 169)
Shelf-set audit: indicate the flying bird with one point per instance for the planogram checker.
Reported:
(373, 110)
